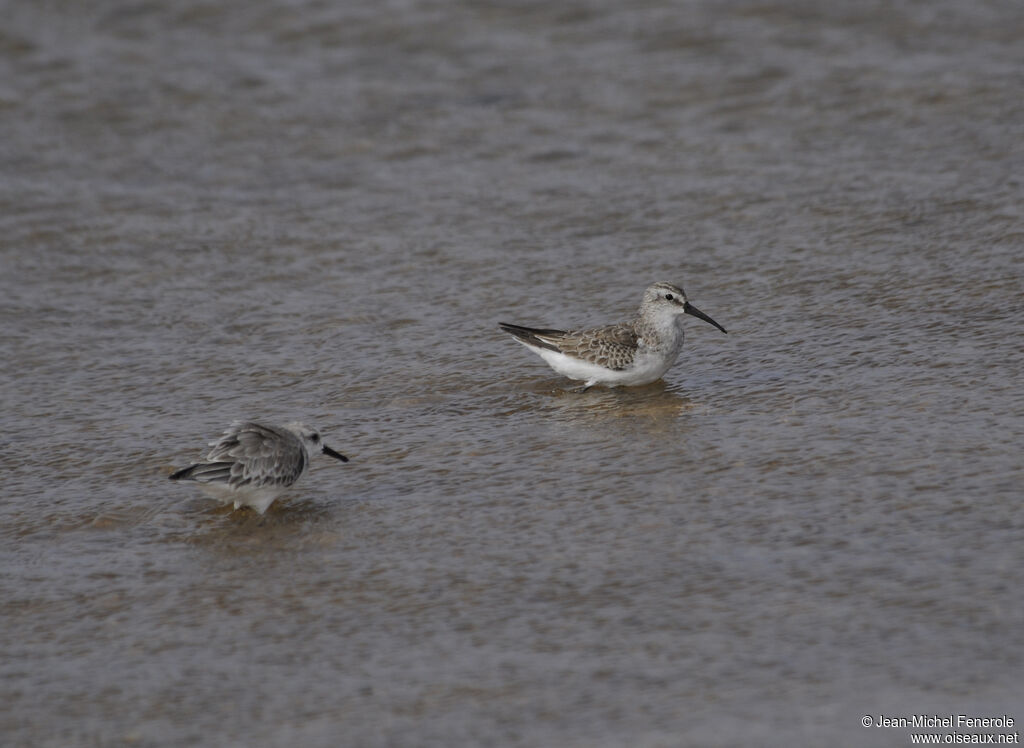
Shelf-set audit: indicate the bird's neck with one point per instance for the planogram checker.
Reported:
(661, 333)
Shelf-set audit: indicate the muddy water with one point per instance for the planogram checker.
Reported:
(303, 211)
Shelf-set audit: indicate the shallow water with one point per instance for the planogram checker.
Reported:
(304, 211)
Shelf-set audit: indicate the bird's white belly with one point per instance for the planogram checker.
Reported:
(257, 498)
(646, 368)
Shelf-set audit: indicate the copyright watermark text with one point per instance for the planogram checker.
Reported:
(950, 729)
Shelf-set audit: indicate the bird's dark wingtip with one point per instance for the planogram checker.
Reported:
(182, 474)
(516, 331)
(530, 334)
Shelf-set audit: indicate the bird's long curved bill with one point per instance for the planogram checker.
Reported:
(336, 455)
(691, 309)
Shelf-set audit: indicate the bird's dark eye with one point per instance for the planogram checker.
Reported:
(316, 438)
(669, 296)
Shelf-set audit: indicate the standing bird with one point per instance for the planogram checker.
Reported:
(627, 354)
(253, 463)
